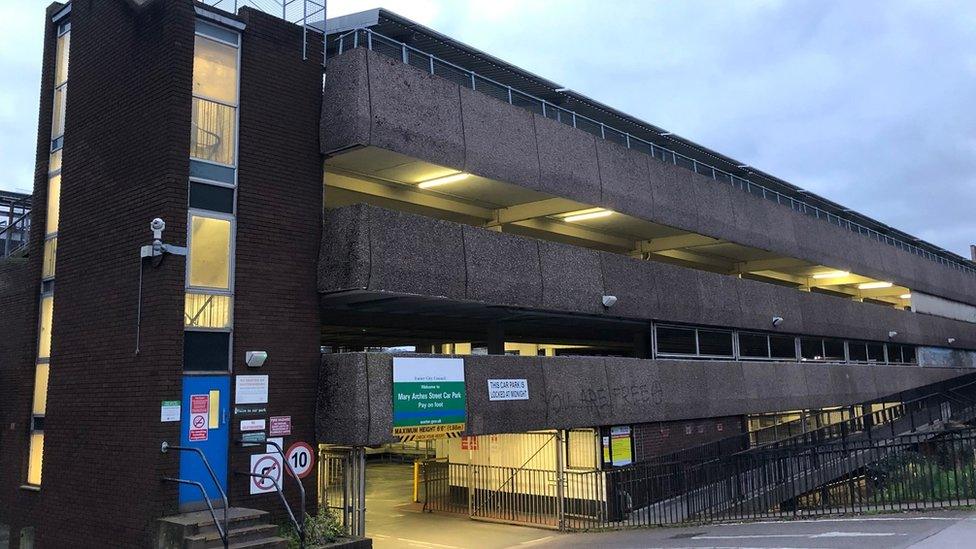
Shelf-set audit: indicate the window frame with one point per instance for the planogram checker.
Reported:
(237, 88)
(697, 353)
(232, 251)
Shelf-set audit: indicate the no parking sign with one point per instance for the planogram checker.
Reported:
(301, 457)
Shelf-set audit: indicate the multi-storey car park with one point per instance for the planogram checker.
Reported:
(640, 294)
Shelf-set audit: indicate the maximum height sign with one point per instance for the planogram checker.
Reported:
(428, 398)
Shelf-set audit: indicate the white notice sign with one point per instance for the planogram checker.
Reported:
(251, 390)
(508, 389)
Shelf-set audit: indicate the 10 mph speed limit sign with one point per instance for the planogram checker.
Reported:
(301, 458)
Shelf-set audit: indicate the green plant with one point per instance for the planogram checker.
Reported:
(320, 530)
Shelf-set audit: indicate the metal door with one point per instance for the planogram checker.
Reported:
(204, 425)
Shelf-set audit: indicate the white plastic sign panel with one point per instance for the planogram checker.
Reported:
(268, 465)
(252, 424)
(508, 389)
(251, 389)
(199, 425)
(170, 411)
(301, 457)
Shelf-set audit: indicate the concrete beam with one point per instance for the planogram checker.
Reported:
(680, 241)
(403, 193)
(531, 210)
(576, 231)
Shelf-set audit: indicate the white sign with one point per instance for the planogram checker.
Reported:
(251, 389)
(170, 410)
(508, 389)
(269, 448)
(301, 458)
(252, 425)
(269, 471)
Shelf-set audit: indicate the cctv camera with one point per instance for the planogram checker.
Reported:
(892, 334)
(951, 340)
(609, 300)
(777, 320)
(157, 225)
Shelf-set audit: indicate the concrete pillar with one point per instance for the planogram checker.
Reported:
(496, 339)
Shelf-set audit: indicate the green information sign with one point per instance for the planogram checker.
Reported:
(428, 397)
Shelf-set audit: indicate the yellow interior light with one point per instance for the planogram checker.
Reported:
(453, 178)
(831, 274)
(594, 213)
(874, 285)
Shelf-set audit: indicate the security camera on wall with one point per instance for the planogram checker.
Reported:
(158, 226)
(777, 320)
(609, 301)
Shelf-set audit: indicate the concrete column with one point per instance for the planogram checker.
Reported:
(496, 339)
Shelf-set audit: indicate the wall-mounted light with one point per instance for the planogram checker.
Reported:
(777, 320)
(609, 301)
(905, 296)
(583, 215)
(831, 274)
(447, 179)
(951, 340)
(892, 334)
(874, 285)
(255, 359)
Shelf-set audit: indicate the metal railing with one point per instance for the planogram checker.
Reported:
(297, 522)
(221, 529)
(15, 223)
(374, 41)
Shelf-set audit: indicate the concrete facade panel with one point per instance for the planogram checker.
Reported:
(504, 416)
(679, 294)
(635, 386)
(625, 179)
(719, 299)
(344, 260)
(502, 268)
(672, 195)
(571, 278)
(760, 223)
(716, 217)
(582, 398)
(414, 113)
(345, 117)
(760, 302)
(513, 158)
(634, 283)
(567, 160)
(408, 255)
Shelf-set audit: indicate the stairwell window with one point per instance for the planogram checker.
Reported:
(210, 252)
(213, 128)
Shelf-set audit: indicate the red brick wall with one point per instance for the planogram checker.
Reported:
(655, 439)
(279, 213)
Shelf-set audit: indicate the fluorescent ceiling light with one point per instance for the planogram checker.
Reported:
(905, 296)
(874, 285)
(831, 274)
(453, 178)
(583, 215)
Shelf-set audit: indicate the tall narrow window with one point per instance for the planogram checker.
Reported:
(214, 114)
(209, 252)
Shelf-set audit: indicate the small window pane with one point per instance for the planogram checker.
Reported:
(57, 116)
(214, 70)
(41, 374)
(908, 354)
(211, 197)
(212, 131)
(218, 32)
(50, 258)
(581, 449)
(714, 343)
(753, 345)
(675, 340)
(858, 351)
(894, 352)
(207, 311)
(209, 252)
(782, 346)
(206, 351)
(44, 332)
(36, 459)
(55, 163)
(834, 350)
(53, 204)
(811, 348)
(875, 352)
(61, 68)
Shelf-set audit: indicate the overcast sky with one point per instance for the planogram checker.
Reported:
(870, 104)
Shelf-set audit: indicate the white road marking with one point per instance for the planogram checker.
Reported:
(806, 535)
(427, 543)
(539, 540)
(863, 519)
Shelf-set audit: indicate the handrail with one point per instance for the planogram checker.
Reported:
(220, 530)
(19, 225)
(299, 526)
(166, 447)
(631, 141)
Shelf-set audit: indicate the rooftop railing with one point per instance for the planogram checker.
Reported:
(374, 41)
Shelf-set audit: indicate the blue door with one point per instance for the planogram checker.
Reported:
(204, 425)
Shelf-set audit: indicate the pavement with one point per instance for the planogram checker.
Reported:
(394, 521)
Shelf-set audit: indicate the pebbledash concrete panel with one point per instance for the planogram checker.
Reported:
(511, 159)
(346, 115)
(375, 100)
(355, 391)
(414, 113)
(502, 268)
(416, 255)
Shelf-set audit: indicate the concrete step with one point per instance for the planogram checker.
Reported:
(273, 542)
(237, 535)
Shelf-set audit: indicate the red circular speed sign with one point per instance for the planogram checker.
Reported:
(301, 458)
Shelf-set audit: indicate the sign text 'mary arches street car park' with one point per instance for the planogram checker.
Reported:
(428, 398)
